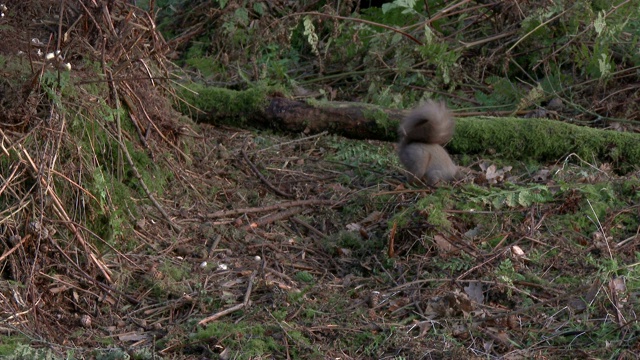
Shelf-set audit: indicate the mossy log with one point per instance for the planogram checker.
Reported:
(513, 138)
(545, 140)
(254, 107)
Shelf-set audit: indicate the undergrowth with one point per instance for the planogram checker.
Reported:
(502, 57)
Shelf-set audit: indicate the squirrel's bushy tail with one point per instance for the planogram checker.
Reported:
(429, 123)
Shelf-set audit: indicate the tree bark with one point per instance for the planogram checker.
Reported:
(352, 120)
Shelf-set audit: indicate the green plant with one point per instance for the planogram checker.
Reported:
(515, 196)
(507, 274)
(249, 340)
(305, 277)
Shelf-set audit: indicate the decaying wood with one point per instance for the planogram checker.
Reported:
(352, 120)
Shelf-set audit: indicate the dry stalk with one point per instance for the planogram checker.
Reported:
(234, 308)
(60, 211)
(284, 205)
(136, 173)
(260, 176)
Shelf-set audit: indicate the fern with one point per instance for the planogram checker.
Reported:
(406, 6)
(521, 197)
(310, 33)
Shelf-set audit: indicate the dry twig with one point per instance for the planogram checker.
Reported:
(233, 308)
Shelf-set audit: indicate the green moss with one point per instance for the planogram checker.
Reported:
(346, 239)
(544, 140)
(434, 206)
(224, 103)
(361, 155)
(112, 354)
(175, 272)
(305, 276)
(247, 340)
(173, 283)
(9, 344)
(206, 65)
(381, 118)
(106, 220)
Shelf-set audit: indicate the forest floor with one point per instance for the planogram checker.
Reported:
(326, 253)
(297, 246)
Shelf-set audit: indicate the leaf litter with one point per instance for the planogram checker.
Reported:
(264, 246)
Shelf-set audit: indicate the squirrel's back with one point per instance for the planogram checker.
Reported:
(422, 134)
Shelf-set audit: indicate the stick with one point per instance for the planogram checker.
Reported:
(233, 308)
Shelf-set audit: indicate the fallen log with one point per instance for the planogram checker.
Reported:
(507, 137)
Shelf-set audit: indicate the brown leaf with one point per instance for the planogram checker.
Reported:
(444, 246)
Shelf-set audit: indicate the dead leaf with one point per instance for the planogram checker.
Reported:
(517, 252)
(232, 283)
(616, 126)
(555, 104)
(424, 327)
(542, 175)
(472, 233)
(452, 304)
(443, 245)
(344, 252)
(614, 286)
(492, 174)
(133, 336)
(354, 227)
(579, 304)
(372, 218)
(398, 303)
(474, 290)
(536, 113)
(618, 284)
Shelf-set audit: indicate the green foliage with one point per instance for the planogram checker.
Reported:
(564, 44)
(113, 354)
(434, 205)
(361, 155)
(205, 65)
(305, 277)
(504, 92)
(25, 352)
(370, 343)
(405, 6)
(456, 264)
(544, 140)
(56, 85)
(441, 56)
(107, 222)
(348, 239)
(310, 34)
(507, 274)
(10, 345)
(513, 196)
(177, 272)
